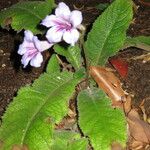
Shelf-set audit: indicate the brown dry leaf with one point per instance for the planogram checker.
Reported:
(116, 146)
(109, 83)
(138, 129)
(67, 123)
(136, 145)
(17, 147)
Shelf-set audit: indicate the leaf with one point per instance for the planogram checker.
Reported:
(139, 129)
(120, 65)
(30, 118)
(72, 54)
(108, 32)
(109, 83)
(142, 42)
(53, 65)
(81, 73)
(68, 140)
(97, 120)
(26, 15)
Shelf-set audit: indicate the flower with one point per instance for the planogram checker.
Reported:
(31, 49)
(63, 25)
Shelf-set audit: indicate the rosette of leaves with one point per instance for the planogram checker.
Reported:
(37, 108)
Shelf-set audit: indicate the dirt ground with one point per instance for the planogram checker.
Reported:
(13, 76)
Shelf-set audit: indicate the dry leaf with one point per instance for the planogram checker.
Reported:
(138, 129)
(109, 83)
(120, 65)
(17, 147)
(67, 123)
(116, 146)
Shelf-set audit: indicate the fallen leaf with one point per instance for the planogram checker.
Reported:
(109, 83)
(121, 66)
(68, 122)
(116, 146)
(17, 147)
(138, 129)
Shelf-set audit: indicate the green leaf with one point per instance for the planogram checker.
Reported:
(108, 32)
(99, 121)
(142, 42)
(26, 15)
(72, 54)
(68, 140)
(53, 65)
(29, 119)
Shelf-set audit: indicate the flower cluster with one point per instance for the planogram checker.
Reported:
(63, 25)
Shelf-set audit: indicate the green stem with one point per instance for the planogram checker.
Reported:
(140, 46)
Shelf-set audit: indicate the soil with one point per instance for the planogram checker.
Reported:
(13, 76)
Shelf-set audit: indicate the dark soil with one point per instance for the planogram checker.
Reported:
(13, 76)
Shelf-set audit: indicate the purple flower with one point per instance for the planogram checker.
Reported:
(64, 25)
(31, 49)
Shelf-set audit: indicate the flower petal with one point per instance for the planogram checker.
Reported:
(54, 35)
(71, 36)
(45, 45)
(62, 11)
(37, 60)
(41, 45)
(22, 49)
(76, 18)
(49, 21)
(28, 36)
(25, 60)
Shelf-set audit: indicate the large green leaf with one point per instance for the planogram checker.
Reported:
(53, 65)
(99, 121)
(68, 140)
(26, 15)
(142, 42)
(108, 32)
(30, 117)
(72, 54)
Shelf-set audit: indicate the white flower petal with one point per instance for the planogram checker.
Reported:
(25, 60)
(28, 36)
(49, 21)
(41, 45)
(62, 11)
(37, 60)
(22, 50)
(76, 18)
(54, 35)
(45, 45)
(37, 43)
(71, 37)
